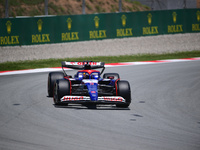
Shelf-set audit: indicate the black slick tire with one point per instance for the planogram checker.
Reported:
(123, 89)
(52, 77)
(61, 88)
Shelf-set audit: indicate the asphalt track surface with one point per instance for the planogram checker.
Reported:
(164, 113)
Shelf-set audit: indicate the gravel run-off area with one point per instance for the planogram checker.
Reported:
(110, 47)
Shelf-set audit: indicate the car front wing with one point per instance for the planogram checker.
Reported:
(86, 99)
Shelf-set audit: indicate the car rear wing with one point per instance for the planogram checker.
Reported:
(86, 65)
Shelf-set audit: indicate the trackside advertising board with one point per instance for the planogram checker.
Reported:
(72, 28)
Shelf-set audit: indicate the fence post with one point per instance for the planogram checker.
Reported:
(46, 7)
(120, 5)
(6, 10)
(83, 6)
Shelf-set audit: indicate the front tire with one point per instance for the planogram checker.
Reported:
(61, 88)
(123, 89)
(52, 77)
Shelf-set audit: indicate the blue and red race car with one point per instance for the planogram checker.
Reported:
(87, 86)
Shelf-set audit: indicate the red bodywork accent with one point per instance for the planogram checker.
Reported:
(75, 98)
(89, 71)
(70, 84)
(116, 86)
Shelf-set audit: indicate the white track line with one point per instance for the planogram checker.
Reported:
(14, 72)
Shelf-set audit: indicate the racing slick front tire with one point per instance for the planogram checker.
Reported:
(123, 89)
(61, 88)
(52, 77)
(115, 75)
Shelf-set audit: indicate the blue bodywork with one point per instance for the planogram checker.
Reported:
(92, 90)
(90, 79)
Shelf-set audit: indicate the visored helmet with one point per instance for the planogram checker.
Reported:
(85, 75)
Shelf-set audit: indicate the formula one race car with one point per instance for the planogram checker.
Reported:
(87, 86)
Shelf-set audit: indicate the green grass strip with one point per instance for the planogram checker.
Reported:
(46, 63)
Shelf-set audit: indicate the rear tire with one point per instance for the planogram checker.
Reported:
(123, 89)
(61, 88)
(115, 75)
(52, 77)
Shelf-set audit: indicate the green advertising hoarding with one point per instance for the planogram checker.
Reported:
(72, 28)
